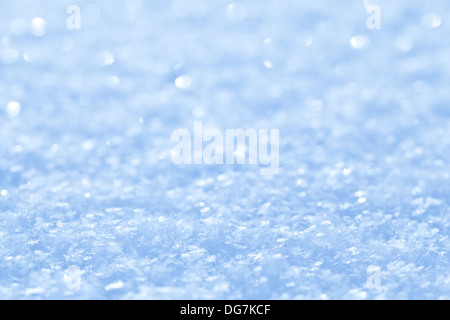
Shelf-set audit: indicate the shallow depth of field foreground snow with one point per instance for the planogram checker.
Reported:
(91, 205)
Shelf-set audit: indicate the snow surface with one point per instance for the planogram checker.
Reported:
(92, 207)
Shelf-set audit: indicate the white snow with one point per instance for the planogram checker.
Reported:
(359, 208)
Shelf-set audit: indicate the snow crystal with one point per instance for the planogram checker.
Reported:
(183, 82)
(13, 109)
(38, 27)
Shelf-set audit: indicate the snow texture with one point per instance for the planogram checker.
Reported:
(92, 206)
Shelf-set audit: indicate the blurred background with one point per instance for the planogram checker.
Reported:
(92, 206)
